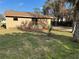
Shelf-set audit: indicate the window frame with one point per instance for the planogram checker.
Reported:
(15, 18)
(35, 21)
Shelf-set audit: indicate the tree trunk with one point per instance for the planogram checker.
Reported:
(74, 31)
(76, 26)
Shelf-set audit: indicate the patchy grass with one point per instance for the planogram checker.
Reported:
(9, 31)
(16, 44)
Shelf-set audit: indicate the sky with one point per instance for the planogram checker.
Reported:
(68, 5)
(20, 5)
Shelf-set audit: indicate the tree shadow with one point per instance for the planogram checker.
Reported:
(60, 39)
(56, 43)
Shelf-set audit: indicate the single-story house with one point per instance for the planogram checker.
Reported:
(15, 19)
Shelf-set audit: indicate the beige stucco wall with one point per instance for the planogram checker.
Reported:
(45, 22)
(10, 23)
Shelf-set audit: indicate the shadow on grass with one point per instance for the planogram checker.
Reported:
(40, 35)
(60, 46)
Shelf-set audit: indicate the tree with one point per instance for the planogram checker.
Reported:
(76, 21)
(49, 27)
(51, 6)
(58, 4)
(75, 10)
(37, 10)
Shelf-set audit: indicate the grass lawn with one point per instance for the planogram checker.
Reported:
(16, 44)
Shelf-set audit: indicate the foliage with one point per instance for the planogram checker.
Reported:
(37, 10)
(3, 24)
(2, 21)
(54, 5)
(58, 6)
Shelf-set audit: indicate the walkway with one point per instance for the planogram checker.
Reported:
(60, 28)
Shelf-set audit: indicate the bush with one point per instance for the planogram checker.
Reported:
(3, 25)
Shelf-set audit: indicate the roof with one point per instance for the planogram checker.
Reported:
(25, 14)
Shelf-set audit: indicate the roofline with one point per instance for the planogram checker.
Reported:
(31, 17)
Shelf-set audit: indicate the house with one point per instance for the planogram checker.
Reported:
(16, 19)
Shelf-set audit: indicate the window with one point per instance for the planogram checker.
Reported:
(15, 19)
(35, 21)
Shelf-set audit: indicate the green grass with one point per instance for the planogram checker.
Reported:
(16, 44)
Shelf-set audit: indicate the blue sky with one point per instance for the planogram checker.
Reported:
(20, 5)
(68, 5)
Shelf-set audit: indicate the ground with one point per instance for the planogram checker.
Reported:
(16, 44)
